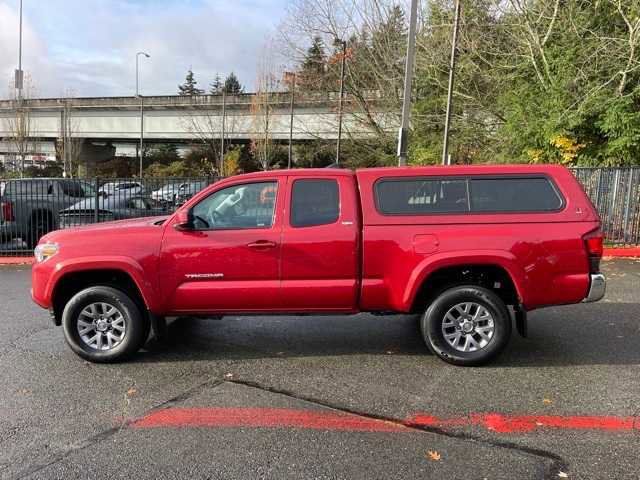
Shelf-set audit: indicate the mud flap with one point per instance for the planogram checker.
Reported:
(521, 321)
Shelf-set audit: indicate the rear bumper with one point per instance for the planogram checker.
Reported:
(597, 287)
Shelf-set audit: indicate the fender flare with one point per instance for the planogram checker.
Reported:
(121, 263)
(432, 263)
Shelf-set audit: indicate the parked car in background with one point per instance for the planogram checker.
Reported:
(185, 192)
(29, 207)
(125, 189)
(470, 249)
(167, 194)
(109, 208)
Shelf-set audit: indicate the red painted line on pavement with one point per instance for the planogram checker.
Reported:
(621, 252)
(336, 421)
(264, 417)
(528, 423)
(16, 260)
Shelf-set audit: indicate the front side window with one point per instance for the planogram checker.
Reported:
(314, 202)
(250, 205)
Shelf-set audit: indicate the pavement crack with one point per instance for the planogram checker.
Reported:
(55, 458)
(106, 434)
(557, 463)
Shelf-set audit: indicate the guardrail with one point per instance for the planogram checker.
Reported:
(31, 207)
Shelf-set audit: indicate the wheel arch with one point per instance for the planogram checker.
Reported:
(498, 272)
(74, 278)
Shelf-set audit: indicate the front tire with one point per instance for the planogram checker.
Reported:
(466, 325)
(103, 324)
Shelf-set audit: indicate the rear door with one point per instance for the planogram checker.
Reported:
(320, 244)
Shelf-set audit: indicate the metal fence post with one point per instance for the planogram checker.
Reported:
(627, 204)
(96, 208)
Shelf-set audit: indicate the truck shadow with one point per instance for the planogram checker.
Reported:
(603, 333)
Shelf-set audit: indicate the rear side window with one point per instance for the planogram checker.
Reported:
(425, 196)
(29, 187)
(513, 195)
(422, 196)
(314, 202)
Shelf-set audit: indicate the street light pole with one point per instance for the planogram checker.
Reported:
(19, 84)
(446, 159)
(408, 79)
(340, 104)
(221, 171)
(141, 153)
(291, 102)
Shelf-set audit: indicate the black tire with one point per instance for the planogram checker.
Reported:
(39, 225)
(135, 335)
(433, 318)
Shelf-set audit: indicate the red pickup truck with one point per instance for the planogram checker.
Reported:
(470, 248)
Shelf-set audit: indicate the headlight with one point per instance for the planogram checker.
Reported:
(45, 251)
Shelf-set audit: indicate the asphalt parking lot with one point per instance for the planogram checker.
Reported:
(325, 397)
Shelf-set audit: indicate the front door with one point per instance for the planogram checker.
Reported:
(230, 260)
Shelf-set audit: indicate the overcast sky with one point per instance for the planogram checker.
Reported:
(89, 46)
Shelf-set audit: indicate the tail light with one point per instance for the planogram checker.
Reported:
(593, 242)
(7, 211)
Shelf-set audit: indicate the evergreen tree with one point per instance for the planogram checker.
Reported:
(232, 85)
(313, 68)
(217, 85)
(188, 88)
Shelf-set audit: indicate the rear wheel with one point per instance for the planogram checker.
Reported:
(103, 324)
(466, 325)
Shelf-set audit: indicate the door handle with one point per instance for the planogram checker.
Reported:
(262, 244)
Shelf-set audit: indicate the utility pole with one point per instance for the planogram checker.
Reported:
(141, 152)
(19, 84)
(291, 102)
(403, 134)
(224, 112)
(446, 158)
(341, 101)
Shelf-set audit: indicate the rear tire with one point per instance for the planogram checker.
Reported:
(466, 325)
(103, 325)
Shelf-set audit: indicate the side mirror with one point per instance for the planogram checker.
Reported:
(184, 222)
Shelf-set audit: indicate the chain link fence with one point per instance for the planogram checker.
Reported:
(29, 208)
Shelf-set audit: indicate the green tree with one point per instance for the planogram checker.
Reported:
(217, 85)
(232, 85)
(188, 88)
(313, 68)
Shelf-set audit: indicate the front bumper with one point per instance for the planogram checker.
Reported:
(597, 287)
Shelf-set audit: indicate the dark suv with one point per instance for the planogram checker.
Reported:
(29, 207)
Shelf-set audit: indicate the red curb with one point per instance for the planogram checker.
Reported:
(16, 260)
(622, 252)
(219, 417)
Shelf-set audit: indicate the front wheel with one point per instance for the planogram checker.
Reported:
(466, 325)
(102, 324)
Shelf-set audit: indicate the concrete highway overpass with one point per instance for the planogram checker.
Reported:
(189, 120)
